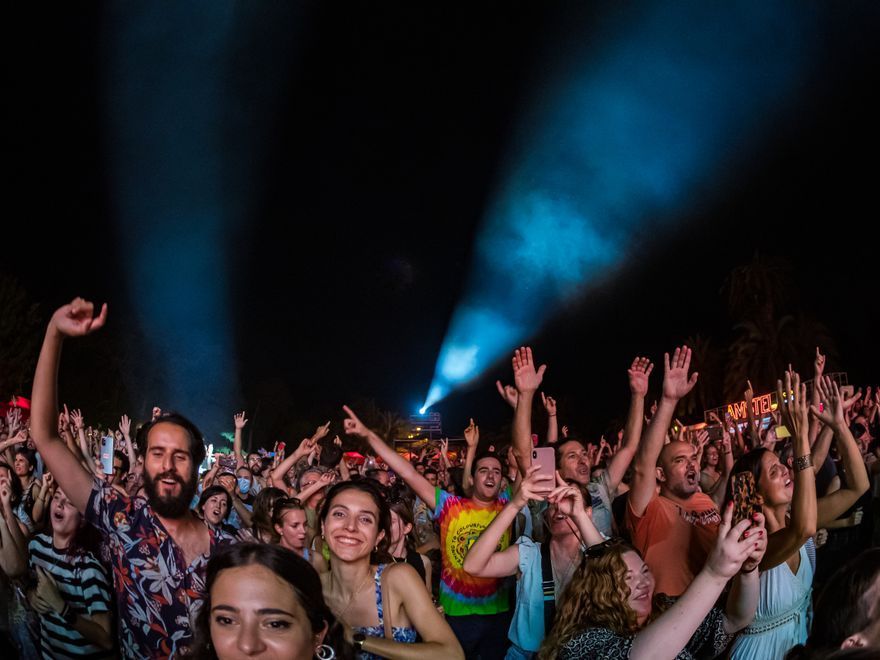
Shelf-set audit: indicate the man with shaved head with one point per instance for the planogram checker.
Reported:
(674, 528)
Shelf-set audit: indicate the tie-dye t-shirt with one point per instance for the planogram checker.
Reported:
(461, 522)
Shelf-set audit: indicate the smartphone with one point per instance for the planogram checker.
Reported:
(545, 458)
(107, 454)
(715, 433)
(746, 500)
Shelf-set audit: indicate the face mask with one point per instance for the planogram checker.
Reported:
(244, 485)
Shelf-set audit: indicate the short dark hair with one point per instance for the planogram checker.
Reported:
(126, 464)
(486, 454)
(196, 441)
(210, 492)
(29, 455)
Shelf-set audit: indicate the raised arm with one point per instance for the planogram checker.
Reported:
(482, 560)
(638, 375)
(13, 557)
(754, 427)
(471, 439)
(667, 635)
(834, 416)
(125, 429)
(720, 491)
(283, 467)
(570, 501)
(552, 422)
(527, 380)
(404, 469)
(240, 421)
(676, 384)
(788, 539)
(74, 320)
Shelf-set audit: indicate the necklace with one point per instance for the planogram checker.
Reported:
(354, 596)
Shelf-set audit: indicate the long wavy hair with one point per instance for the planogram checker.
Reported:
(596, 597)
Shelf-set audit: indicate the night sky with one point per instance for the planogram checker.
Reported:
(362, 146)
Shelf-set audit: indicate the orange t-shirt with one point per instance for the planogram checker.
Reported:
(675, 539)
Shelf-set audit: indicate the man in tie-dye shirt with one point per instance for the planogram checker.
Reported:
(477, 609)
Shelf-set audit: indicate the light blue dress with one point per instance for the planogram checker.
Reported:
(784, 611)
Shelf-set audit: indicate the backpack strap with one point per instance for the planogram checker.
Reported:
(548, 586)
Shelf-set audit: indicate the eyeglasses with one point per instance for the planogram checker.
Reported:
(599, 549)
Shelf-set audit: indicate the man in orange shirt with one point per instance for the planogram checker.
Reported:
(676, 528)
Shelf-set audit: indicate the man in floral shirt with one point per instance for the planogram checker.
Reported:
(159, 547)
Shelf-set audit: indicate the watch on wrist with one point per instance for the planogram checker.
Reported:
(359, 639)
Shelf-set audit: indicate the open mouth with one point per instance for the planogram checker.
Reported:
(348, 541)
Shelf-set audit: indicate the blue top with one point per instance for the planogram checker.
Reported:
(399, 633)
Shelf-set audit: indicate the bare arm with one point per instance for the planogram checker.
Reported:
(788, 539)
(404, 469)
(834, 504)
(552, 422)
(13, 559)
(482, 560)
(638, 375)
(720, 491)
(471, 439)
(75, 319)
(240, 421)
(439, 642)
(527, 380)
(676, 384)
(667, 635)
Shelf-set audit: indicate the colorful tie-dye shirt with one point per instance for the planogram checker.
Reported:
(461, 522)
(157, 594)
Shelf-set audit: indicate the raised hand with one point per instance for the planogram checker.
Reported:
(472, 434)
(568, 499)
(525, 376)
(676, 383)
(322, 431)
(549, 404)
(157, 413)
(564, 431)
(759, 534)
(125, 426)
(733, 547)
(240, 420)
(818, 364)
(832, 412)
(749, 394)
(77, 318)
(76, 418)
(354, 426)
(638, 374)
(795, 412)
(508, 393)
(533, 486)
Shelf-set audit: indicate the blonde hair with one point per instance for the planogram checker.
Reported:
(596, 597)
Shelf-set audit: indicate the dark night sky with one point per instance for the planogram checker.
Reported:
(386, 131)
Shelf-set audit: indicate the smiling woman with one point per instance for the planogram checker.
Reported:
(383, 607)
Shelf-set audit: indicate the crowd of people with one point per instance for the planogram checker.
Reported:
(744, 540)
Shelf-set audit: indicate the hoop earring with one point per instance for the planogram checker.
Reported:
(325, 652)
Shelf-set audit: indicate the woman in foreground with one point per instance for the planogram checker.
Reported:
(610, 609)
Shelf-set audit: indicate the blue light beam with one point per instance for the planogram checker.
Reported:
(626, 136)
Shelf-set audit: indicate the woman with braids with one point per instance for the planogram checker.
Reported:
(793, 514)
(610, 610)
(263, 602)
(383, 606)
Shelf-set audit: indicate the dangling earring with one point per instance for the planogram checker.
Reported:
(325, 652)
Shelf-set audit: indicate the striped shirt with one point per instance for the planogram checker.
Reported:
(85, 587)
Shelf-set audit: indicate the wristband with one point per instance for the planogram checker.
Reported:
(803, 462)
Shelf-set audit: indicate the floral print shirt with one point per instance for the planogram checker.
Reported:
(157, 595)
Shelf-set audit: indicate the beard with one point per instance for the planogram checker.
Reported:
(170, 506)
